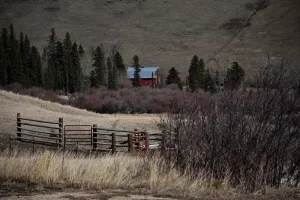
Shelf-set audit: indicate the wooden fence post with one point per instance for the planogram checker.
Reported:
(147, 141)
(33, 147)
(130, 147)
(61, 132)
(163, 140)
(94, 137)
(19, 129)
(114, 143)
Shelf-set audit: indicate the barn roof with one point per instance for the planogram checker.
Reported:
(146, 72)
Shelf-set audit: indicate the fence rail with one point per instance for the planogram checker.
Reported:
(90, 137)
(34, 131)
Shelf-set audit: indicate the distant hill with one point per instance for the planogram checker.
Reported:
(167, 33)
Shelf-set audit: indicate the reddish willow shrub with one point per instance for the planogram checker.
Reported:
(140, 100)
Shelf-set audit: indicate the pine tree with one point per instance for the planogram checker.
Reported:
(52, 45)
(121, 69)
(35, 67)
(67, 44)
(15, 67)
(4, 39)
(80, 51)
(12, 37)
(50, 76)
(201, 74)
(194, 74)
(6, 49)
(137, 69)
(234, 76)
(94, 80)
(111, 78)
(4, 57)
(3, 65)
(100, 68)
(173, 78)
(60, 67)
(21, 44)
(24, 48)
(76, 71)
(209, 83)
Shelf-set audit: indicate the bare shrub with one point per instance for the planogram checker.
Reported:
(141, 100)
(251, 134)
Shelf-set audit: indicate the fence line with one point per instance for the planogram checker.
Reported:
(90, 137)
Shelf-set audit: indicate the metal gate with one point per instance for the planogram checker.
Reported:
(78, 136)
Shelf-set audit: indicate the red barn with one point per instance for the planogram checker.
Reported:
(148, 75)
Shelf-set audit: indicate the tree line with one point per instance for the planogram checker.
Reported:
(63, 69)
(107, 72)
(59, 67)
(201, 78)
(19, 61)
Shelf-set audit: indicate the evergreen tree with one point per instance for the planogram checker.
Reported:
(3, 65)
(100, 68)
(49, 76)
(120, 67)
(12, 37)
(18, 75)
(24, 47)
(173, 78)
(201, 74)
(209, 83)
(76, 71)
(21, 43)
(60, 67)
(4, 39)
(4, 43)
(194, 74)
(137, 69)
(80, 51)
(67, 44)
(35, 67)
(15, 67)
(94, 80)
(52, 45)
(234, 76)
(26, 56)
(111, 78)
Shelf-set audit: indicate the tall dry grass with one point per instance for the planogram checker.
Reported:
(108, 171)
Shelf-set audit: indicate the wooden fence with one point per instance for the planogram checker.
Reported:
(48, 133)
(87, 137)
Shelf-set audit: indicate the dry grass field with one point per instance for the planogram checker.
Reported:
(166, 33)
(11, 104)
(57, 175)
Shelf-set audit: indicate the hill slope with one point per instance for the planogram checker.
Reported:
(166, 32)
(30, 107)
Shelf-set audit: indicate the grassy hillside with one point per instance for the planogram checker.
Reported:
(30, 107)
(167, 32)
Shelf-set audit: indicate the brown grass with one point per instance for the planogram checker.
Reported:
(30, 107)
(113, 172)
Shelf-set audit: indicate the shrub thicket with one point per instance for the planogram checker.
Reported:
(139, 100)
(252, 134)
